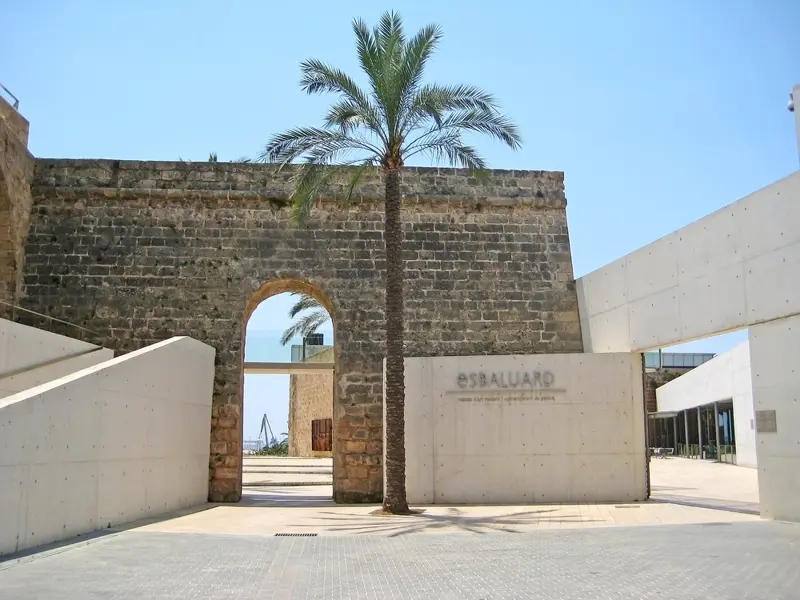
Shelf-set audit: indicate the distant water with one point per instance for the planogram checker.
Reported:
(265, 346)
(266, 393)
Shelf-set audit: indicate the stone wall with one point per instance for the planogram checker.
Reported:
(139, 251)
(310, 397)
(16, 172)
(14, 121)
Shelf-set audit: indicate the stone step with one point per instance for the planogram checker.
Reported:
(248, 469)
(256, 479)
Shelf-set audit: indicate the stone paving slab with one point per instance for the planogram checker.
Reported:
(282, 469)
(286, 461)
(250, 479)
(705, 483)
(689, 562)
(269, 511)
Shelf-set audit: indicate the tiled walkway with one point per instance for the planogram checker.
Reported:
(701, 540)
(684, 491)
(741, 561)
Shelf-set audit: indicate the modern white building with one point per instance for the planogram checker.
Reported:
(719, 391)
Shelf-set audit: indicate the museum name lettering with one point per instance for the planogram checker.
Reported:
(506, 379)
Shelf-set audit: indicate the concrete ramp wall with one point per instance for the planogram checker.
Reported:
(106, 445)
(31, 357)
(734, 268)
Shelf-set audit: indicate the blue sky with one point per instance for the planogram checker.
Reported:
(658, 112)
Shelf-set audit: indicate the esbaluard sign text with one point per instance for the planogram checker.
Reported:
(506, 379)
(510, 386)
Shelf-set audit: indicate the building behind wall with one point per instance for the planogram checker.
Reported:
(311, 403)
(661, 368)
(719, 391)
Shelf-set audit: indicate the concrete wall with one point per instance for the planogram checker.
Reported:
(579, 440)
(725, 377)
(310, 397)
(30, 356)
(106, 445)
(775, 369)
(735, 267)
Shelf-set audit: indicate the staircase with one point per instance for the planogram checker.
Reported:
(278, 471)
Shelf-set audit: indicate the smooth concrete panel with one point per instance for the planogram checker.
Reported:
(579, 439)
(731, 269)
(106, 445)
(725, 377)
(23, 347)
(774, 360)
(26, 379)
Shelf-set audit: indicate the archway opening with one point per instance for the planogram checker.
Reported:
(288, 390)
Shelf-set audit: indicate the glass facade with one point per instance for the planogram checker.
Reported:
(676, 360)
(692, 433)
(311, 350)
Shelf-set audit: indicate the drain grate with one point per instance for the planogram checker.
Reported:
(295, 535)
(627, 506)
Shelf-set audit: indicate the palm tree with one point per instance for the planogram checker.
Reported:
(307, 324)
(394, 118)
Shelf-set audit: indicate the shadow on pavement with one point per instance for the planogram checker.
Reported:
(747, 508)
(454, 518)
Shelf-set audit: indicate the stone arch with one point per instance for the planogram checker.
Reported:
(266, 290)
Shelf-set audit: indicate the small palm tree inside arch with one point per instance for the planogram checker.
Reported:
(394, 118)
(307, 323)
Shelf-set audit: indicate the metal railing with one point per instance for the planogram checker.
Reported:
(16, 307)
(727, 452)
(15, 100)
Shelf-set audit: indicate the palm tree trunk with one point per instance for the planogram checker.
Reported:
(394, 496)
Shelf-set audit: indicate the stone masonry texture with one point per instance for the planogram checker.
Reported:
(138, 252)
(310, 397)
(16, 172)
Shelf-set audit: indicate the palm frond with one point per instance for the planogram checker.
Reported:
(415, 57)
(391, 44)
(319, 77)
(368, 51)
(356, 177)
(306, 184)
(488, 122)
(436, 101)
(305, 302)
(448, 146)
(287, 146)
(393, 118)
(305, 326)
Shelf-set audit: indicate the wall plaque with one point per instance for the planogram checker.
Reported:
(766, 421)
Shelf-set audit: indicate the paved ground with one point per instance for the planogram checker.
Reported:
(705, 483)
(261, 471)
(684, 491)
(741, 561)
(702, 542)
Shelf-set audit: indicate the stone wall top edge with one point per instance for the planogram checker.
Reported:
(158, 165)
(16, 122)
(42, 192)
